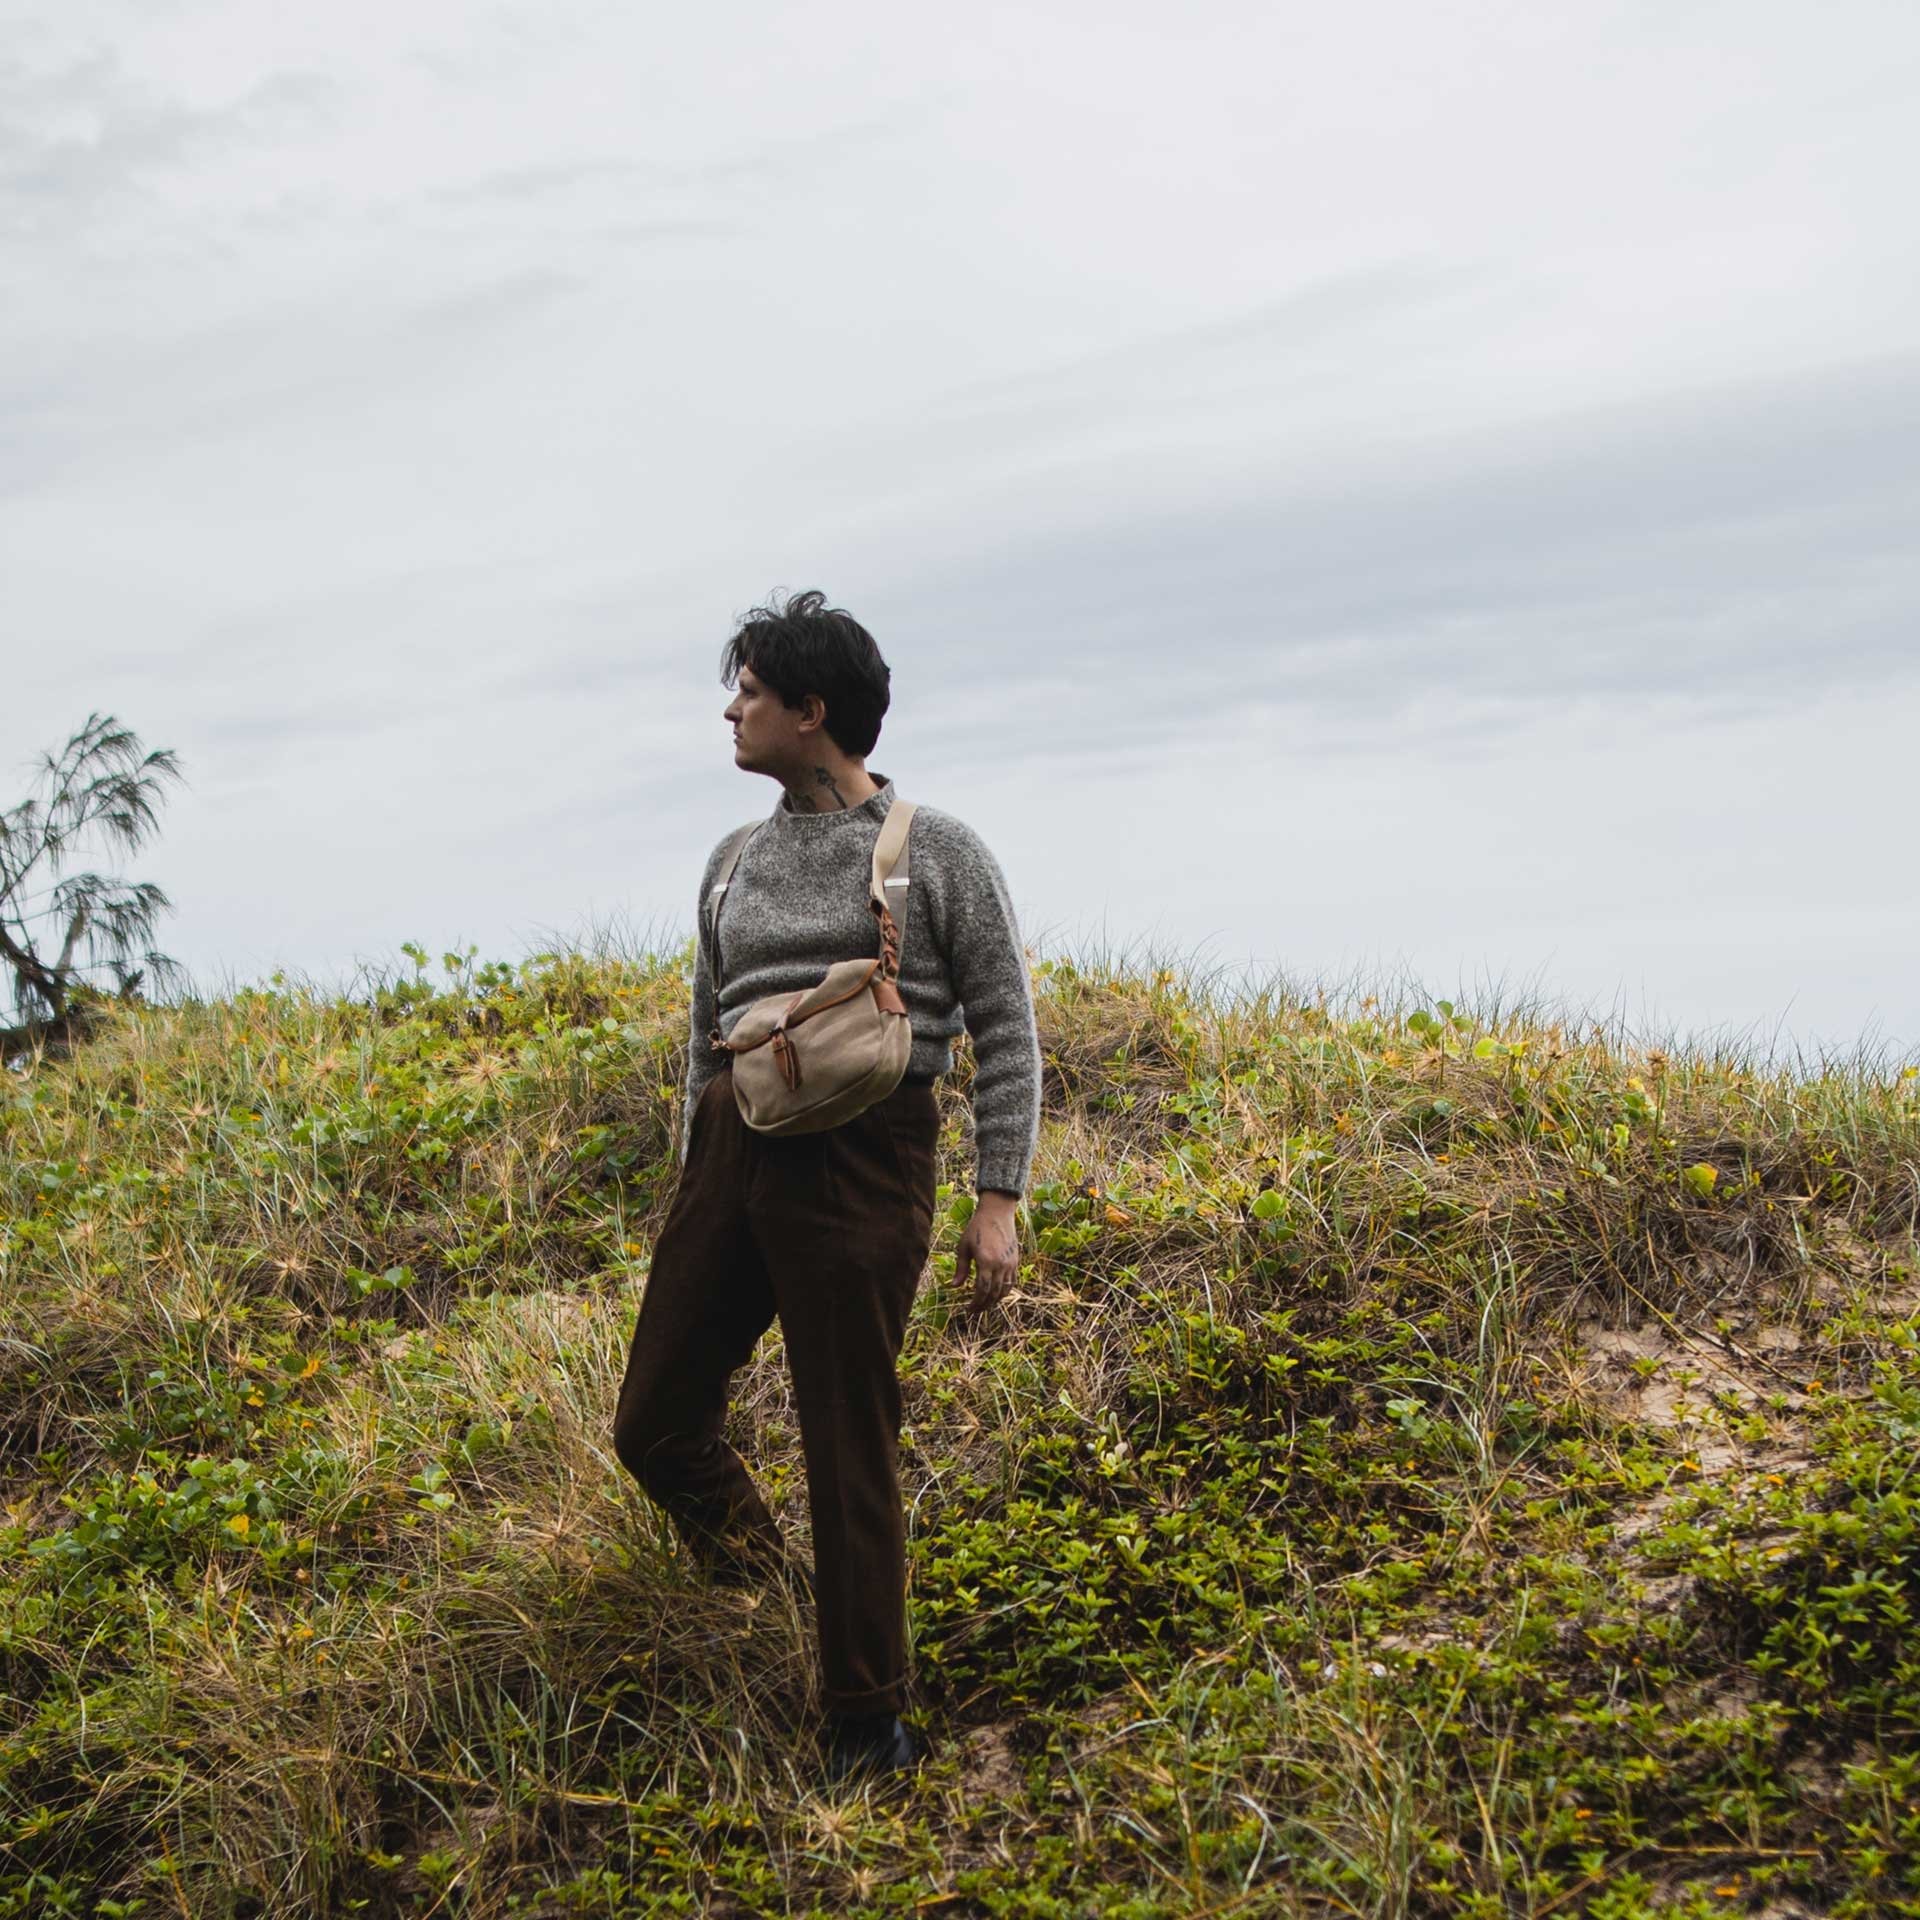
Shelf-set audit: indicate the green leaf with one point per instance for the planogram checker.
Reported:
(1701, 1179)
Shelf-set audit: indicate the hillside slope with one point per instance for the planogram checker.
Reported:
(1434, 1466)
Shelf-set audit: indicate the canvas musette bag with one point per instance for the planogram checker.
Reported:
(806, 1061)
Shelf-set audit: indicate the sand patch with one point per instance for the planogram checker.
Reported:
(989, 1767)
(1662, 1375)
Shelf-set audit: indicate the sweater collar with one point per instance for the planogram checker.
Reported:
(873, 807)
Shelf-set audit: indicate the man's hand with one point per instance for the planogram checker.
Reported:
(991, 1246)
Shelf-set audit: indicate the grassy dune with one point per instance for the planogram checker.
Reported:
(1437, 1464)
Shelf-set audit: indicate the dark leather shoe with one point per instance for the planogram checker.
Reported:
(861, 1746)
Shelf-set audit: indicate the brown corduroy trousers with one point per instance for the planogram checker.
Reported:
(829, 1231)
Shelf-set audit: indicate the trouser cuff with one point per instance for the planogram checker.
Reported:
(889, 1699)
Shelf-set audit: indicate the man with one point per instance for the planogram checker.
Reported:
(829, 1230)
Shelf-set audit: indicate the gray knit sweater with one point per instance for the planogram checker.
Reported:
(798, 902)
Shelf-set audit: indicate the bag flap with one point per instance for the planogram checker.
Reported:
(841, 981)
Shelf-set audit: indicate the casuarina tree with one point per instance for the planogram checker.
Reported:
(63, 932)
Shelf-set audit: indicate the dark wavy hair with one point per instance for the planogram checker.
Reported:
(801, 645)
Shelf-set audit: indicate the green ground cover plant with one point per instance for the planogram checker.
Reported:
(1439, 1462)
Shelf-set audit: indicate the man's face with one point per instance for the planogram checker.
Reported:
(766, 732)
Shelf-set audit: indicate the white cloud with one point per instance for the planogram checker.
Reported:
(396, 406)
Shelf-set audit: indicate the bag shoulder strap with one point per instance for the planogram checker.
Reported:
(730, 851)
(886, 887)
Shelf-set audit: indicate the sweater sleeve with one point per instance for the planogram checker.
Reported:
(988, 966)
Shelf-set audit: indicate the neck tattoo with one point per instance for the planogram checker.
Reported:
(815, 801)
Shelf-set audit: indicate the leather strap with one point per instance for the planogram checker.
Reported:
(888, 885)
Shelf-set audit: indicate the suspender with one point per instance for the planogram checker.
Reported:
(886, 885)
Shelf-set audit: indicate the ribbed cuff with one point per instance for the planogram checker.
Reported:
(1009, 1174)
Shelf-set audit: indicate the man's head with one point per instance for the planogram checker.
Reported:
(802, 670)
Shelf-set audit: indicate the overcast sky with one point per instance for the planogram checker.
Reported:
(1359, 491)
